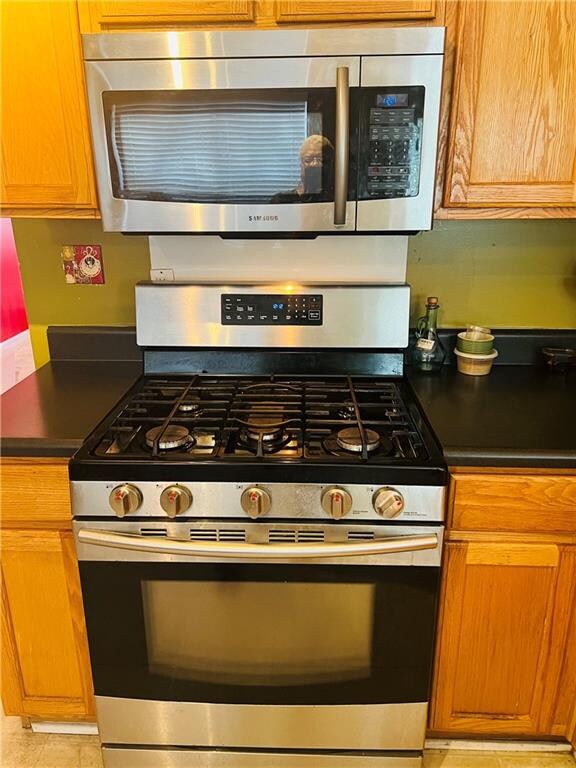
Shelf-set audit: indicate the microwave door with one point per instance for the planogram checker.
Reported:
(398, 116)
(210, 146)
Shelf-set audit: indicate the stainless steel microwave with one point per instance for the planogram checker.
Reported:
(312, 131)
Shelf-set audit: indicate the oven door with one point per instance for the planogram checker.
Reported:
(224, 145)
(227, 643)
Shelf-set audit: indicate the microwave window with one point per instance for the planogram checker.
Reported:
(227, 146)
(259, 633)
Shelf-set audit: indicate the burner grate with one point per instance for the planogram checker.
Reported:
(266, 418)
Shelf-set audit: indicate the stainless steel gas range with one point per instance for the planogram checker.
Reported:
(259, 526)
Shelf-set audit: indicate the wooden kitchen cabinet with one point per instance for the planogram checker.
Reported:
(563, 689)
(505, 656)
(512, 143)
(45, 663)
(122, 15)
(46, 154)
(517, 503)
(313, 11)
(499, 605)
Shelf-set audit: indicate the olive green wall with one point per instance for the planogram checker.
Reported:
(503, 274)
(494, 273)
(50, 301)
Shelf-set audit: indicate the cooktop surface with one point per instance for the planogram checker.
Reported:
(264, 420)
(234, 418)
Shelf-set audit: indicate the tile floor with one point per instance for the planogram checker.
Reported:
(20, 748)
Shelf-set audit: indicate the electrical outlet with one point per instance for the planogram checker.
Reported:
(162, 275)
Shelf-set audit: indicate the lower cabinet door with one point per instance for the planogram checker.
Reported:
(495, 648)
(45, 663)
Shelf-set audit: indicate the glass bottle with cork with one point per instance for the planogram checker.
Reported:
(429, 354)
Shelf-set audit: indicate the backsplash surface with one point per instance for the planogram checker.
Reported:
(503, 274)
(517, 274)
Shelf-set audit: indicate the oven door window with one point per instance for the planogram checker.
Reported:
(260, 634)
(222, 146)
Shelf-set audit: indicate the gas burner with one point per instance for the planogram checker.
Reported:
(346, 411)
(350, 439)
(174, 436)
(191, 406)
(261, 431)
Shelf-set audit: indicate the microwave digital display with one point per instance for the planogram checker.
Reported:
(392, 100)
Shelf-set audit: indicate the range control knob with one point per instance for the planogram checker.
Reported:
(336, 502)
(125, 499)
(388, 502)
(256, 501)
(175, 500)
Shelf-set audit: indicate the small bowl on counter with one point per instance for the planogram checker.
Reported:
(474, 364)
(559, 360)
(475, 342)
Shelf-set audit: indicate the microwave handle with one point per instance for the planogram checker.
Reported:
(342, 149)
(244, 551)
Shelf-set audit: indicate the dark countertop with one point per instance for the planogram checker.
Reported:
(52, 411)
(518, 416)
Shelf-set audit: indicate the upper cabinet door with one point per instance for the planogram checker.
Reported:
(46, 156)
(142, 14)
(312, 11)
(513, 137)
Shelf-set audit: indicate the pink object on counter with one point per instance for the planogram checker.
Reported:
(16, 358)
(13, 319)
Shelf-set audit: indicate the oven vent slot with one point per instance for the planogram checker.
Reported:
(310, 535)
(153, 532)
(282, 535)
(203, 534)
(360, 535)
(231, 534)
(293, 535)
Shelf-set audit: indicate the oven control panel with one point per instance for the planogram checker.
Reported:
(271, 309)
(306, 503)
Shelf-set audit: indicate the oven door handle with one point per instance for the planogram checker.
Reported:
(243, 551)
(342, 142)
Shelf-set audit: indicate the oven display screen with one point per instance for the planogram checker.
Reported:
(271, 309)
(259, 633)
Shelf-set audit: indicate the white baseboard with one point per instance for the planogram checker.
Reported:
(78, 729)
(91, 729)
(497, 746)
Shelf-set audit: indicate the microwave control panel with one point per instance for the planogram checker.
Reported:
(392, 120)
(271, 309)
